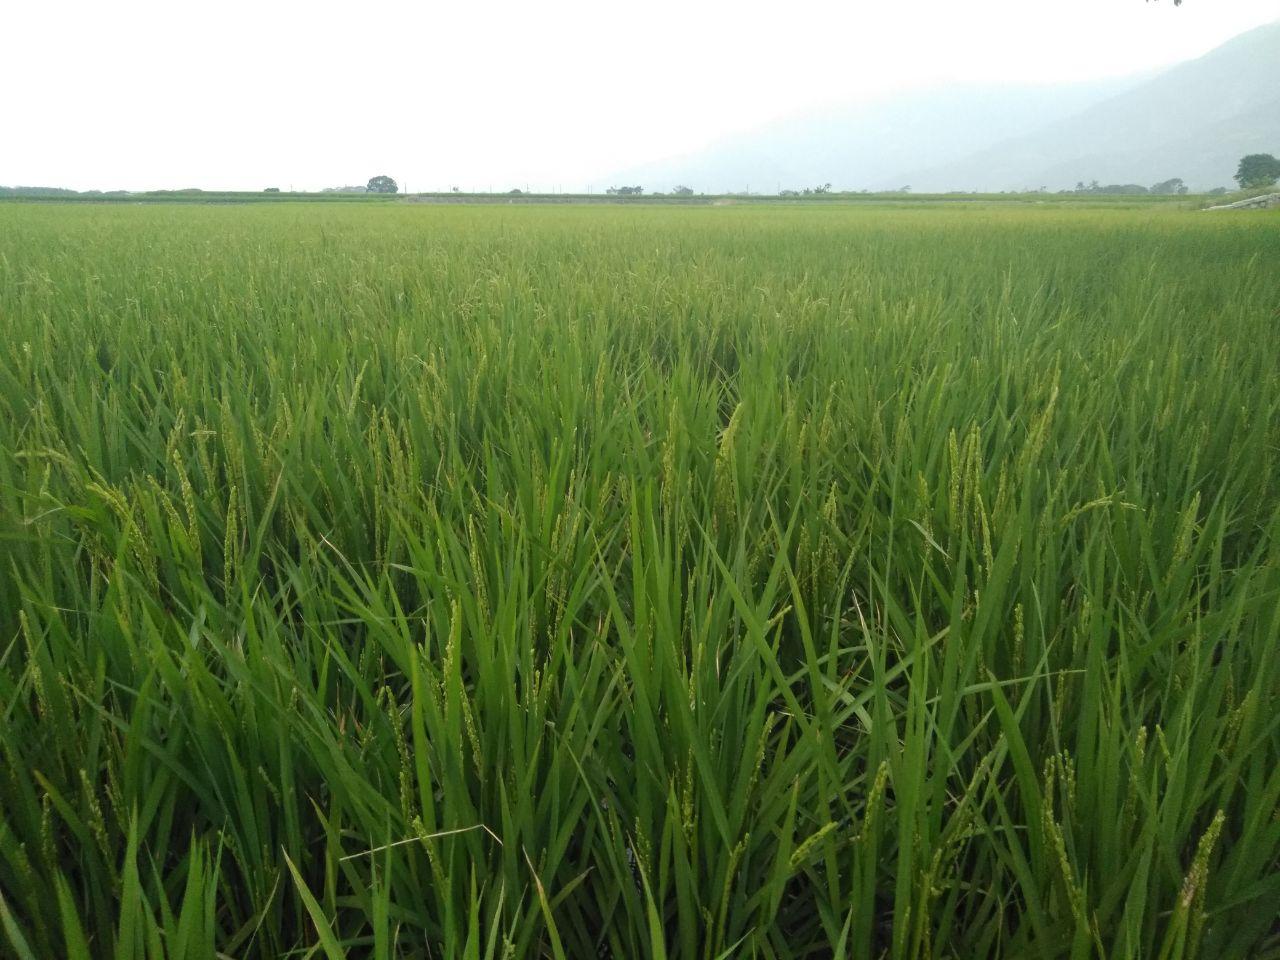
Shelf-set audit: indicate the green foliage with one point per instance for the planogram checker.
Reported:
(1257, 170)
(37, 192)
(381, 184)
(479, 582)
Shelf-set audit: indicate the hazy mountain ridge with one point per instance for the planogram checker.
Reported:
(1194, 121)
(857, 146)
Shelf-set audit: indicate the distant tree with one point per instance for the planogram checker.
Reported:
(1258, 170)
(825, 188)
(1217, 192)
(682, 191)
(271, 190)
(625, 191)
(515, 193)
(36, 192)
(381, 184)
(789, 193)
(1169, 187)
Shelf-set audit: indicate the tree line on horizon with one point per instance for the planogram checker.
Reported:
(1257, 171)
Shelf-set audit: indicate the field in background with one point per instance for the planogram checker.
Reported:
(639, 582)
(1111, 201)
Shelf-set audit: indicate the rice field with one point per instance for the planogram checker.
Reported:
(638, 582)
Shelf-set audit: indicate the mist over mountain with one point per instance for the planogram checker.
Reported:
(864, 145)
(1193, 121)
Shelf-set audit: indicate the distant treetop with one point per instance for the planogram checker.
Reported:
(1257, 170)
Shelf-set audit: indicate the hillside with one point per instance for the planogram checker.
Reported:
(857, 146)
(1194, 121)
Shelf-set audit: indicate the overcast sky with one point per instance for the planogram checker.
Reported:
(143, 94)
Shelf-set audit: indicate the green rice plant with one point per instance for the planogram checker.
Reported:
(492, 582)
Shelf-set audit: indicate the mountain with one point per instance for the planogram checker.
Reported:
(859, 146)
(1192, 121)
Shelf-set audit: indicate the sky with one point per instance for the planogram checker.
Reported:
(481, 94)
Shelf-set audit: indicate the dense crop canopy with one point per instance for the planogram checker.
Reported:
(706, 582)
